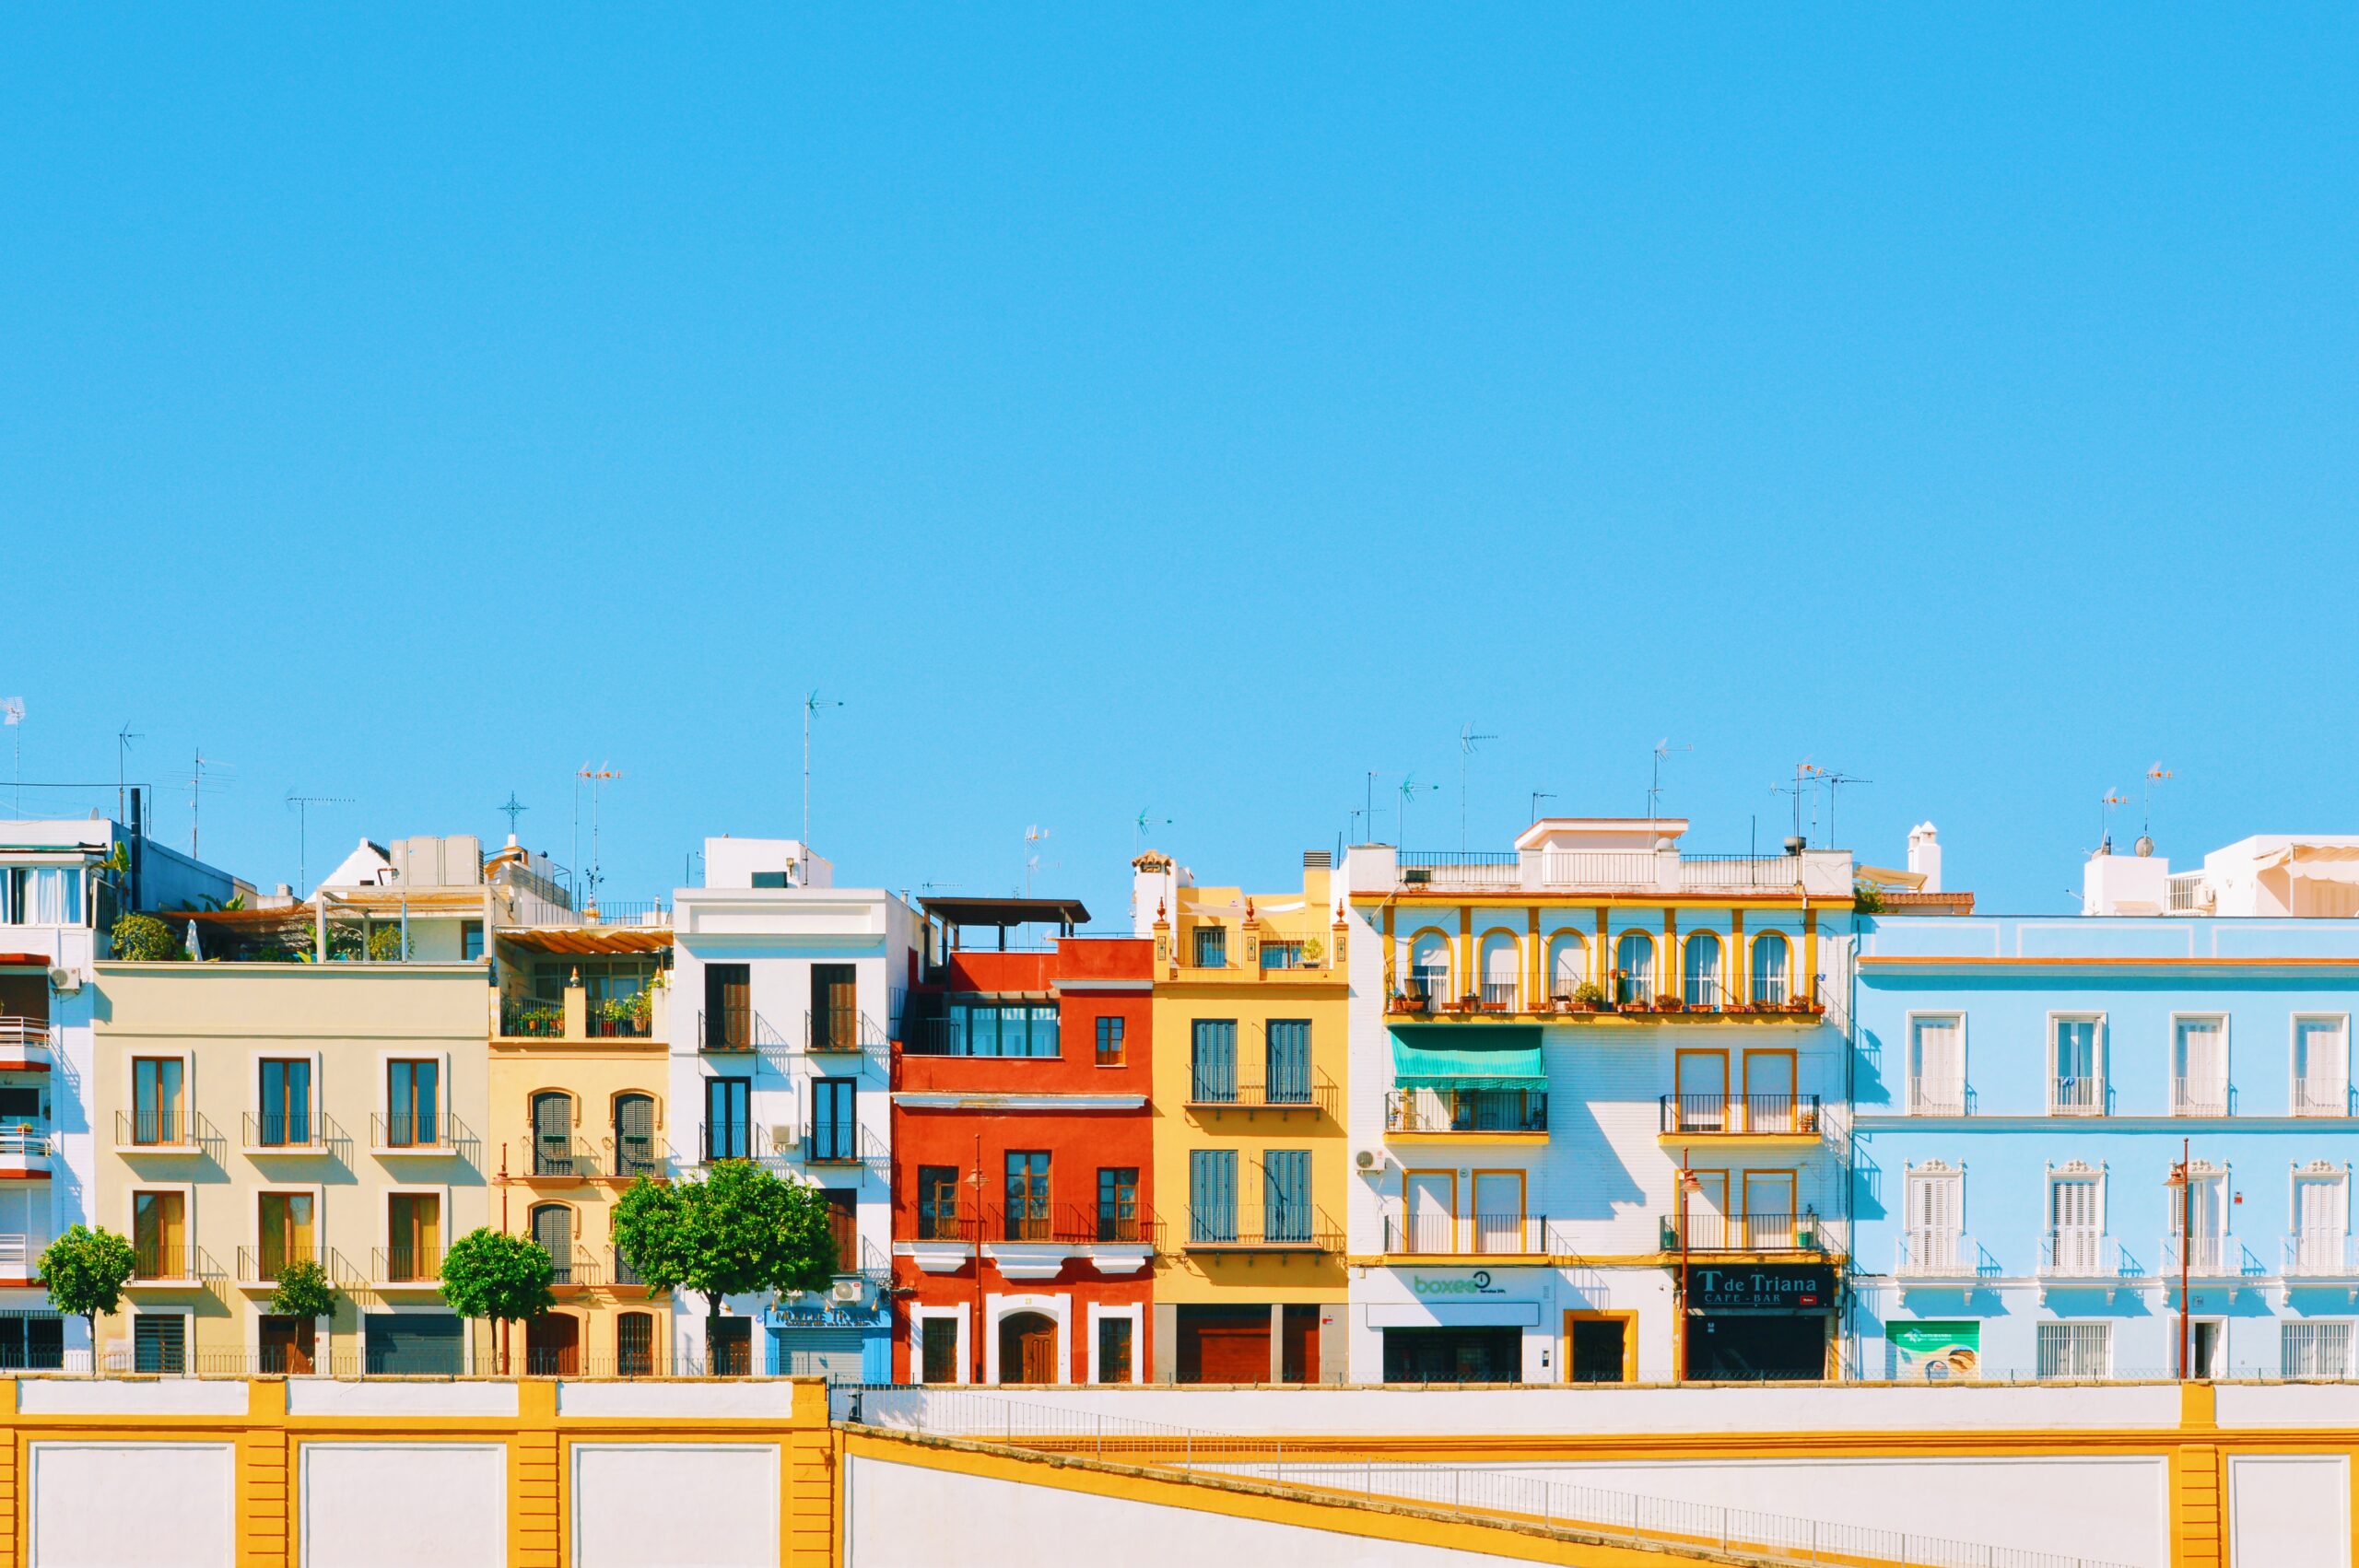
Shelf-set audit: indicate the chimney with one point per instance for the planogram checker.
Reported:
(1925, 856)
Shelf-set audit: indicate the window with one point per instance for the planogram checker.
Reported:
(634, 1344)
(1568, 964)
(41, 895)
(412, 1100)
(834, 1007)
(286, 1102)
(2075, 1225)
(156, 1086)
(1284, 955)
(938, 1203)
(1212, 1195)
(1211, 1061)
(1498, 1211)
(413, 1236)
(1500, 964)
(553, 1232)
(635, 1136)
(1118, 1204)
(1429, 968)
(2205, 1215)
(553, 1134)
(1000, 1029)
(1114, 1348)
(1936, 1204)
(1109, 1042)
(731, 1352)
(1212, 947)
(2316, 1349)
(1285, 1195)
(728, 1007)
(159, 1343)
(728, 1135)
(2075, 1350)
(2077, 1085)
(2199, 1067)
(1286, 1065)
(938, 1349)
(1700, 977)
(835, 1126)
(1028, 1195)
(1772, 954)
(33, 1341)
(470, 939)
(1633, 967)
(2321, 1223)
(283, 1226)
(159, 1236)
(843, 1225)
(1937, 1065)
(2321, 1066)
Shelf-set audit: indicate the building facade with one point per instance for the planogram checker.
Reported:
(2085, 1142)
(1596, 1104)
(795, 988)
(1022, 1155)
(1250, 1007)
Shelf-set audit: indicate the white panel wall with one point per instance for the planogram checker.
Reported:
(2289, 1511)
(904, 1513)
(392, 1504)
(714, 1506)
(186, 1517)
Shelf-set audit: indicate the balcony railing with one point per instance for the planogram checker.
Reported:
(731, 1140)
(1460, 868)
(1938, 1254)
(1302, 1230)
(733, 1029)
(573, 1268)
(841, 1029)
(2210, 1258)
(20, 1036)
(293, 1132)
(1739, 874)
(1070, 1225)
(1937, 1098)
(2320, 1255)
(156, 1263)
(418, 1133)
(1741, 1116)
(407, 1264)
(1632, 868)
(1466, 1110)
(2188, 893)
(624, 1273)
(842, 1143)
(526, 1019)
(2322, 1096)
(1293, 1092)
(2082, 1255)
(2070, 1095)
(550, 911)
(265, 1265)
(2198, 1096)
(1496, 995)
(637, 1156)
(560, 1155)
(1468, 1235)
(1701, 1231)
(161, 1131)
(24, 1141)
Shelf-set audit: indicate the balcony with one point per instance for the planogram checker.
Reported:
(719, 1141)
(2198, 1096)
(578, 1018)
(25, 1044)
(2084, 1254)
(405, 1268)
(26, 1152)
(420, 1134)
(289, 1134)
(551, 910)
(1765, 1117)
(259, 1268)
(1423, 994)
(21, 1256)
(735, 1031)
(2209, 1257)
(1305, 1230)
(1314, 1095)
(156, 1132)
(2320, 1255)
(840, 1031)
(1700, 1230)
(575, 1269)
(1477, 1116)
(1466, 1236)
(625, 1276)
(1034, 1243)
(2321, 1097)
(841, 1144)
(2076, 1097)
(156, 1265)
(1940, 1255)
(1938, 1098)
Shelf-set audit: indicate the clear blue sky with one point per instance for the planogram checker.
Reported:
(1184, 411)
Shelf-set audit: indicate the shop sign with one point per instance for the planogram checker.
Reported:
(1759, 1287)
(1478, 1283)
(1934, 1352)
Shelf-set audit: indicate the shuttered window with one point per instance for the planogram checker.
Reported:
(1211, 1063)
(1212, 1195)
(1287, 1066)
(1285, 1195)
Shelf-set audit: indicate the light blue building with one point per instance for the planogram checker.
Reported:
(2024, 1088)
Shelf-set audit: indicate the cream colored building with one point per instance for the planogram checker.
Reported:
(249, 1113)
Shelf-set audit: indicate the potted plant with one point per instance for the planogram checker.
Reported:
(1589, 996)
(1669, 1004)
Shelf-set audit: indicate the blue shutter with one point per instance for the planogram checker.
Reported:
(1212, 1195)
(1288, 1069)
(1285, 1195)
(1213, 1062)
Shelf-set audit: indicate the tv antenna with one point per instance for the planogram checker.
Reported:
(1467, 741)
(1538, 796)
(1032, 835)
(2106, 804)
(123, 739)
(1367, 805)
(1407, 790)
(514, 807)
(598, 777)
(12, 715)
(198, 787)
(1805, 774)
(301, 805)
(1663, 748)
(811, 705)
(2155, 774)
(1835, 780)
(1145, 823)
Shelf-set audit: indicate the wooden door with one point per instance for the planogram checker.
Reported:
(1225, 1345)
(728, 1007)
(843, 1224)
(552, 1345)
(835, 1005)
(553, 1134)
(1298, 1348)
(1498, 1212)
(635, 1136)
(1028, 1348)
(288, 1344)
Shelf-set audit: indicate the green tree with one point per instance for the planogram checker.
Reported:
(503, 1277)
(143, 938)
(303, 1291)
(740, 1229)
(84, 1272)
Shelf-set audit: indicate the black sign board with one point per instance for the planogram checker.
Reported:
(1759, 1287)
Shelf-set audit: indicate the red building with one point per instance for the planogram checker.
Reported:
(1021, 1132)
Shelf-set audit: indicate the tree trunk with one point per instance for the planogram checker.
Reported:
(713, 1334)
(90, 1320)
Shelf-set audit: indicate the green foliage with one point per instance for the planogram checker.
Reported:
(303, 1291)
(84, 1272)
(740, 1229)
(489, 1273)
(385, 945)
(143, 938)
(1590, 994)
(1866, 899)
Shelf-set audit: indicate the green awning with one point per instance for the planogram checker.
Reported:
(1468, 1056)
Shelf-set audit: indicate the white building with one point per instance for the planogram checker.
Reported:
(1544, 1041)
(786, 990)
(2273, 874)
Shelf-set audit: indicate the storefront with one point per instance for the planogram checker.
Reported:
(1461, 1325)
(1757, 1322)
(843, 1344)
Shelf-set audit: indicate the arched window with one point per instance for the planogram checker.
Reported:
(634, 1344)
(1499, 972)
(1633, 961)
(1429, 968)
(635, 1136)
(1700, 978)
(553, 1134)
(553, 1228)
(1568, 964)
(1770, 952)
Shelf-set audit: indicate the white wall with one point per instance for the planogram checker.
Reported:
(185, 1515)
(392, 1504)
(718, 1504)
(2289, 1511)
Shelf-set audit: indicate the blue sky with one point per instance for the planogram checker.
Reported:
(1183, 411)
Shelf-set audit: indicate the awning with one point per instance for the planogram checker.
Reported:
(1467, 1056)
(2315, 862)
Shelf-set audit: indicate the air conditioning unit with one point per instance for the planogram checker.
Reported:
(782, 1136)
(65, 981)
(1368, 1159)
(1415, 874)
(849, 1292)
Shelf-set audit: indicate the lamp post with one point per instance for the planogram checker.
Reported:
(1687, 1184)
(2180, 1180)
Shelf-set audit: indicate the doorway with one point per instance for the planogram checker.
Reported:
(1224, 1344)
(2207, 1348)
(1028, 1348)
(288, 1344)
(552, 1345)
(1770, 1348)
(1600, 1348)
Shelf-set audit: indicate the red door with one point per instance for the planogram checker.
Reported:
(1224, 1344)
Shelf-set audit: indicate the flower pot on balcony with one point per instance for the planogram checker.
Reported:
(1632, 1007)
(1670, 1004)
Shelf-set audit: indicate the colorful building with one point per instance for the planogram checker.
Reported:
(796, 987)
(1252, 1009)
(2088, 1143)
(1596, 1104)
(1023, 1153)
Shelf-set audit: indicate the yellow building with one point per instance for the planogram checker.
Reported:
(580, 1056)
(1250, 1155)
(248, 1114)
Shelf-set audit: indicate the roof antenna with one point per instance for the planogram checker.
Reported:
(1663, 748)
(2106, 804)
(1834, 781)
(197, 786)
(1407, 790)
(1467, 741)
(2155, 774)
(123, 739)
(1032, 835)
(301, 805)
(1538, 796)
(811, 705)
(599, 778)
